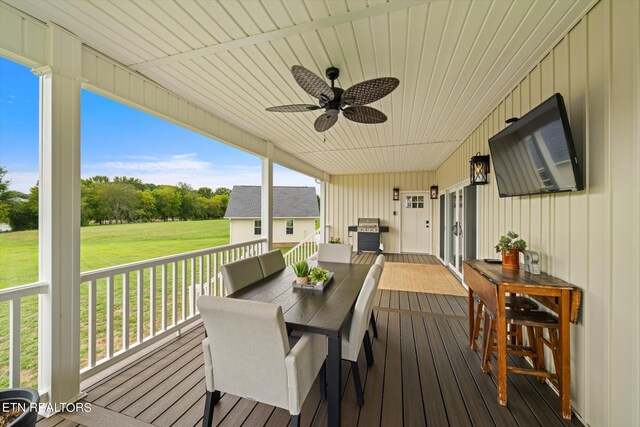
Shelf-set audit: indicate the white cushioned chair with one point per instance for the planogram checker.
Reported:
(240, 274)
(247, 354)
(380, 260)
(357, 333)
(330, 252)
(272, 262)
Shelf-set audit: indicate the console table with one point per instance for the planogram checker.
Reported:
(491, 283)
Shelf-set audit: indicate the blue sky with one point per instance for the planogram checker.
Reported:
(120, 140)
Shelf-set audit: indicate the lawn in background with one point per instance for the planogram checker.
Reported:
(101, 246)
(108, 245)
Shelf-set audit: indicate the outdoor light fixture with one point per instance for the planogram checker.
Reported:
(479, 167)
(434, 192)
(396, 193)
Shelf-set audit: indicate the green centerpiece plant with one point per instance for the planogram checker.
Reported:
(301, 270)
(318, 275)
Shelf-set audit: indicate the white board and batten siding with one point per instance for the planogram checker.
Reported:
(589, 238)
(350, 197)
(241, 230)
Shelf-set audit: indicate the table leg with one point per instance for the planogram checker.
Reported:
(334, 378)
(472, 316)
(502, 348)
(565, 354)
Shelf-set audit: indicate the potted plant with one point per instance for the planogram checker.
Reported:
(334, 240)
(16, 407)
(318, 275)
(510, 245)
(301, 270)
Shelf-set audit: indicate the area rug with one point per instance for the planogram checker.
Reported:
(427, 278)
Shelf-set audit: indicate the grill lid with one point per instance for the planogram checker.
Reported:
(368, 225)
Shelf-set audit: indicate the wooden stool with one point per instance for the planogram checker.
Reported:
(512, 302)
(534, 322)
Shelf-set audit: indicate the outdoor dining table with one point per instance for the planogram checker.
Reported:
(320, 312)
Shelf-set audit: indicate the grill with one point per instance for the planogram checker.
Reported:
(369, 225)
(369, 235)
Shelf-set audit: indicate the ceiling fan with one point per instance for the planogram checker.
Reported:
(334, 99)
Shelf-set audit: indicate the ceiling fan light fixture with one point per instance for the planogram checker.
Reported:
(334, 99)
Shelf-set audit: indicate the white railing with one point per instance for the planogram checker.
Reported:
(124, 313)
(15, 298)
(307, 248)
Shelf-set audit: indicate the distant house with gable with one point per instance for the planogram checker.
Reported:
(295, 211)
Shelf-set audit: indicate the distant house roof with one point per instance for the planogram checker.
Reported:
(288, 202)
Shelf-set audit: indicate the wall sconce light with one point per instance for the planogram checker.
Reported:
(396, 193)
(434, 192)
(479, 167)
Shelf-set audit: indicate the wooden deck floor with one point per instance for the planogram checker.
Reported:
(424, 374)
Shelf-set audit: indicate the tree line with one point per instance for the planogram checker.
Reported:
(123, 199)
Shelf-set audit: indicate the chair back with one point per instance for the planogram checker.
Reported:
(272, 262)
(362, 313)
(239, 274)
(331, 252)
(248, 345)
(380, 260)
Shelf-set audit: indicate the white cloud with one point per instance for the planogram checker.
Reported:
(170, 170)
(21, 181)
(187, 167)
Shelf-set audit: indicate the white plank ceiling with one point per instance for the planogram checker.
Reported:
(455, 60)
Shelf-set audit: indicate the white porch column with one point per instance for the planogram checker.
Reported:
(323, 211)
(59, 219)
(266, 210)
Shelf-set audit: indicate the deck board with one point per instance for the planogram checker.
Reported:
(424, 374)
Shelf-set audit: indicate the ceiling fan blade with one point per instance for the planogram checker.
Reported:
(364, 114)
(369, 91)
(293, 108)
(312, 83)
(324, 122)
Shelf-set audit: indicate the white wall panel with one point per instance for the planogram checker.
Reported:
(22, 38)
(589, 238)
(350, 197)
(241, 230)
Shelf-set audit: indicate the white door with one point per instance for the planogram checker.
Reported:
(416, 222)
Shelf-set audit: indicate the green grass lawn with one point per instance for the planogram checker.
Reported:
(101, 246)
(108, 245)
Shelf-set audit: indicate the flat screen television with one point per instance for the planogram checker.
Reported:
(535, 154)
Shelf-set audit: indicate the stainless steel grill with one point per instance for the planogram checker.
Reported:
(368, 225)
(369, 234)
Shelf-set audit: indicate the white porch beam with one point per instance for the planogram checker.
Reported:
(59, 219)
(305, 27)
(266, 200)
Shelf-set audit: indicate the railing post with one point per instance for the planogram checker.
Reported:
(59, 217)
(14, 342)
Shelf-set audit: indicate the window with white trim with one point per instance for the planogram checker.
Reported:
(257, 227)
(289, 227)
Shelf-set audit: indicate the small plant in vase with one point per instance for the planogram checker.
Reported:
(301, 270)
(334, 240)
(510, 245)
